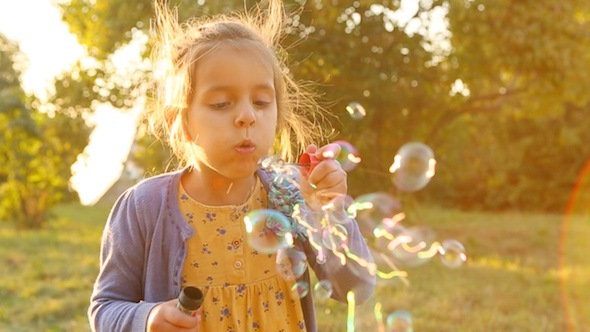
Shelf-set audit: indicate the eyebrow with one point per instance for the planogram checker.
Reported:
(215, 88)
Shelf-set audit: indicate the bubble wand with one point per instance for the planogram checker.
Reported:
(190, 300)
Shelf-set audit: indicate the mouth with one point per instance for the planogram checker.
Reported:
(245, 147)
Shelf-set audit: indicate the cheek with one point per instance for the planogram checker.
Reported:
(273, 125)
(190, 130)
(196, 124)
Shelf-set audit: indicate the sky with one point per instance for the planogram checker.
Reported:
(37, 27)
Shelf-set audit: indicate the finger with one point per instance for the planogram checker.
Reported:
(312, 148)
(331, 196)
(306, 187)
(180, 319)
(329, 151)
(324, 171)
(335, 186)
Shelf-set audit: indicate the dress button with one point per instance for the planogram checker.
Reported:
(238, 264)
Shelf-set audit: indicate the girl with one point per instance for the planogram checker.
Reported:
(224, 96)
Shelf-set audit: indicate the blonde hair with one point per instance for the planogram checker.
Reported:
(176, 54)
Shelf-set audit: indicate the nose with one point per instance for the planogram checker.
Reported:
(246, 116)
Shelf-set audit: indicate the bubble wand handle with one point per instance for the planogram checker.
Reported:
(307, 162)
(190, 300)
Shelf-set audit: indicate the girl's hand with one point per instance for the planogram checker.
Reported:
(167, 317)
(326, 180)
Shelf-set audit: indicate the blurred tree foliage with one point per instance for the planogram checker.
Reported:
(498, 89)
(37, 148)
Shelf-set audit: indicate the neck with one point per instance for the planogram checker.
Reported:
(215, 189)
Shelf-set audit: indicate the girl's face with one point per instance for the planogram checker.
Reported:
(232, 118)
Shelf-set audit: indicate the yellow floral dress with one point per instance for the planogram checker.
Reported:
(243, 291)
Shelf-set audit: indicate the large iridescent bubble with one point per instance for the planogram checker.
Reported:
(371, 209)
(417, 248)
(268, 230)
(291, 263)
(349, 157)
(413, 166)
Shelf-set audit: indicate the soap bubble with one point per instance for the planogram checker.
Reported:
(371, 209)
(267, 162)
(284, 171)
(356, 110)
(399, 321)
(268, 230)
(417, 247)
(390, 233)
(452, 253)
(291, 263)
(349, 157)
(300, 289)
(322, 290)
(413, 167)
(334, 237)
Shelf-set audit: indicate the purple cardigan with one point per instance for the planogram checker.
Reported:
(143, 251)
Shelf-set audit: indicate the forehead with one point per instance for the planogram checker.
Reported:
(234, 64)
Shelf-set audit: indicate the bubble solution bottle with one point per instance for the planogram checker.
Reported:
(189, 300)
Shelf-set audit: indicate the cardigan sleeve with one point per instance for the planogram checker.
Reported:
(344, 273)
(350, 276)
(116, 301)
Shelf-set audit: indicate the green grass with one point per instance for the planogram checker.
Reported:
(511, 281)
(46, 275)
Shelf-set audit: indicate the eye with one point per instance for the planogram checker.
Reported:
(220, 106)
(261, 103)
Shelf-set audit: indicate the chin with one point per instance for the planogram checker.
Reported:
(243, 170)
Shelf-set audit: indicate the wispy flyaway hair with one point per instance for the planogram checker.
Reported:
(179, 47)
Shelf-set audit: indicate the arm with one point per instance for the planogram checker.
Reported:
(115, 304)
(323, 184)
(350, 276)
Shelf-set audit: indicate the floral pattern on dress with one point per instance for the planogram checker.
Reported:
(243, 290)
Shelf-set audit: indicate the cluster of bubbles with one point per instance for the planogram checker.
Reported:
(379, 216)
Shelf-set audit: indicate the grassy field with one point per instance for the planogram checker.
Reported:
(511, 281)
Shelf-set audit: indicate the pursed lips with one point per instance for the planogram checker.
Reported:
(246, 147)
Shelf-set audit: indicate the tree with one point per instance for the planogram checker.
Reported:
(451, 74)
(37, 149)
